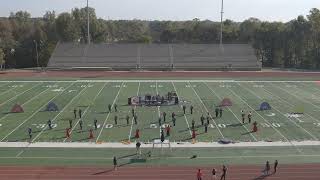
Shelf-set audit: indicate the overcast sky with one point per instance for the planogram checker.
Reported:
(237, 10)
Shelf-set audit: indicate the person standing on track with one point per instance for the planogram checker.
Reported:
(115, 163)
(135, 118)
(191, 109)
(95, 122)
(275, 166)
(164, 114)
(115, 108)
(192, 124)
(109, 108)
(213, 176)
(132, 112)
(80, 113)
(199, 174)
(243, 114)
(162, 136)
(220, 110)
(91, 134)
(224, 173)
(255, 127)
(138, 144)
(30, 133)
(75, 113)
(184, 109)
(116, 120)
(266, 169)
(50, 124)
(80, 124)
(159, 120)
(70, 123)
(249, 116)
(217, 111)
(174, 121)
(208, 119)
(137, 135)
(68, 133)
(206, 128)
(168, 130)
(202, 120)
(127, 118)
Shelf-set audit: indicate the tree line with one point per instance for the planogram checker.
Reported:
(293, 44)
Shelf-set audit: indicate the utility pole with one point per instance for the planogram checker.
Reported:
(88, 16)
(35, 42)
(221, 25)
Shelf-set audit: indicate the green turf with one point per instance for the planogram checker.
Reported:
(94, 97)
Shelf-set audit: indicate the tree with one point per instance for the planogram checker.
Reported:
(2, 61)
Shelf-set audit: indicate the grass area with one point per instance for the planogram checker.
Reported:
(93, 97)
(176, 157)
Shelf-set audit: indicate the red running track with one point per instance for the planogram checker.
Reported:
(285, 172)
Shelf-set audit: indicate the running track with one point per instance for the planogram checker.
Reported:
(292, 172)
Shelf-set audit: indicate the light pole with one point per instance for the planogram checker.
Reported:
(88, 21)
(35, 42)
(221, 25)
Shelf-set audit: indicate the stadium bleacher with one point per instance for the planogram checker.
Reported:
(154, 57)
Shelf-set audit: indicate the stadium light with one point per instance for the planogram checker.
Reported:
(88, 21)
(221, 25)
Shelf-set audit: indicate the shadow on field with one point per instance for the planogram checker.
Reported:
(250, 132)
(235, 125)
(262, 177)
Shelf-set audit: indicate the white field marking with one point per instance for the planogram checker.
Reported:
(283, 100)
(75, 97)
(93, 145)
(105, 121)
(207, 110)
(8, 90)
(309, 133)
(316, 93)
(86, 110)
(163, 80)
(318, 107)
(265, 120)
(9, 100)
(185, 117)
(230, 111)
(31, 114)
(23, 103)
(135, 107)
(177, 157)
(4, 84)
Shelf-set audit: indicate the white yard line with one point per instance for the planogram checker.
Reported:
(105, 121)
(135, 107)
(9, 100)
(206, 110)
(301, 99)
(86, 110)
(8, 90)
(31, 115)
(306, 131)
(21, 105)
(185, 117)
(265, 120)
(283, 100)
(66, 106)
(230, 111)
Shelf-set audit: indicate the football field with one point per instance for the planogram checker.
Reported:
(281, 123)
